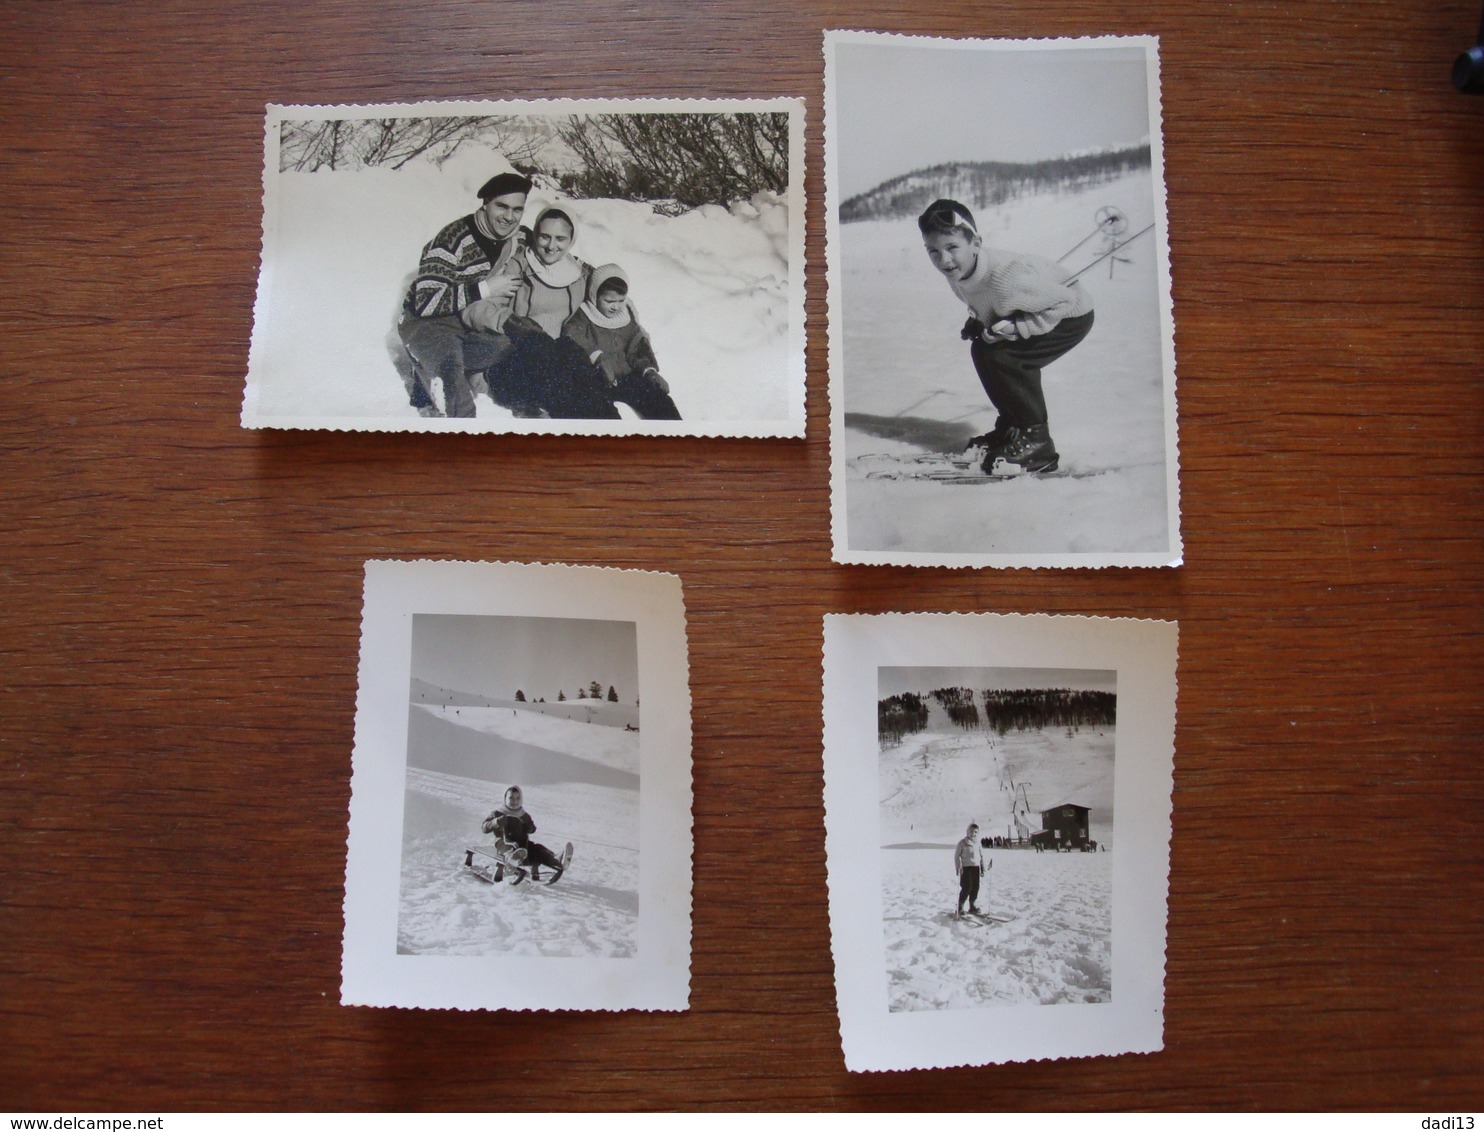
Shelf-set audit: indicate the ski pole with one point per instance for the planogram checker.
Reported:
(1079, 243)
(1111, 251)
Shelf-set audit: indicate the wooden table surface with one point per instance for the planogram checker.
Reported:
(181, 597)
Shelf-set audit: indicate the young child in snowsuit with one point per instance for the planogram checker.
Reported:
(512, 827)
(608, 331)
(968, 861)
(1025, 311)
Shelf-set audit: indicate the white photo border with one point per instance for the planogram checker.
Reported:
(789, 424)
(1172, 554)
(1143, 653)
(658, 976)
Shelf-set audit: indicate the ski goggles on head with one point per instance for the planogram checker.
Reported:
(947, 216)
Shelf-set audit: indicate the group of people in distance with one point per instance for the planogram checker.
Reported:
(512, 311)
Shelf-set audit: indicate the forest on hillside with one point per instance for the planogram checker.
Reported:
(1000, 710)
(985, 184)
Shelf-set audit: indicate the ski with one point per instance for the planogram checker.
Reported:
(943, 468)
(981, 918)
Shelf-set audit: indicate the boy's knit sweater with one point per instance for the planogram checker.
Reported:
(1033, 292)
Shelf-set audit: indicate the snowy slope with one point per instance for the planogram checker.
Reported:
(592, 911)
(910, 388)
(711, 287)
(581, 784)
(937, 781)
(1058, 946)
(598, 740)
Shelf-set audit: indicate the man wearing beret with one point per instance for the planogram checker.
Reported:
(454, 315)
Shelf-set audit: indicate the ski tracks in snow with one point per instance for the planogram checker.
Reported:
(593, 911)
(1058, 949)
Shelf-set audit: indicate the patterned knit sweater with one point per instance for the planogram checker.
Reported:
(454, 264)
(1033, 292)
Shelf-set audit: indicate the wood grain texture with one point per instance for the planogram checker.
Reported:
(179, 628)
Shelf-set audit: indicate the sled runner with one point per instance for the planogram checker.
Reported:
(509, 865)
(500, 865)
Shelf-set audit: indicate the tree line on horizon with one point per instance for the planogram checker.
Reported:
(593, 691)
(1000, 710)
(988, 184)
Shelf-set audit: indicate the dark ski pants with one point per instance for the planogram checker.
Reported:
(538, 854)
(968, 886)
(551, 376)
(444, 348)
(1011, 371)
(642, 394)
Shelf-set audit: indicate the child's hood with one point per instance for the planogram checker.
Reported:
(605, 274)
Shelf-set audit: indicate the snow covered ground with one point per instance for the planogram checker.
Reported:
(1058, 946)
(911, 389)
(711, 286)
(581, 784)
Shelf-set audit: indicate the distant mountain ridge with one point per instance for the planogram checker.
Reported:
(984, 184)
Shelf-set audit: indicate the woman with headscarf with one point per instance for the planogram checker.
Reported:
(544, 374)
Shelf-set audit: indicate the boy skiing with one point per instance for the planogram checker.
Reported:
(1025, 312)
(968, 862)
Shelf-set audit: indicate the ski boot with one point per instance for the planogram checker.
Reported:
(992, 441)
(1028, 451)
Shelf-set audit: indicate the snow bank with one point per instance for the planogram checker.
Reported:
(711, 287)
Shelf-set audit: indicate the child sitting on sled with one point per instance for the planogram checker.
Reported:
(512, 826)
(1025, 312)
(608, 332)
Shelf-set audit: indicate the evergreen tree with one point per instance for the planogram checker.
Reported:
(561, 695)
(612, 694)
(595, 691)
(520, 697)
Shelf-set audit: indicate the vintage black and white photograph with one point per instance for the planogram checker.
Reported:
(996, 824)
(997, 806)
(1002, 375)
(520, 790)
(563, 266)
(520, 823)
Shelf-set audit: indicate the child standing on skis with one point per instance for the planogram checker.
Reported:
(968, 862)
(1025, 312)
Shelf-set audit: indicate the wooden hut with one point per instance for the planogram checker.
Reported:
(1063, 827)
